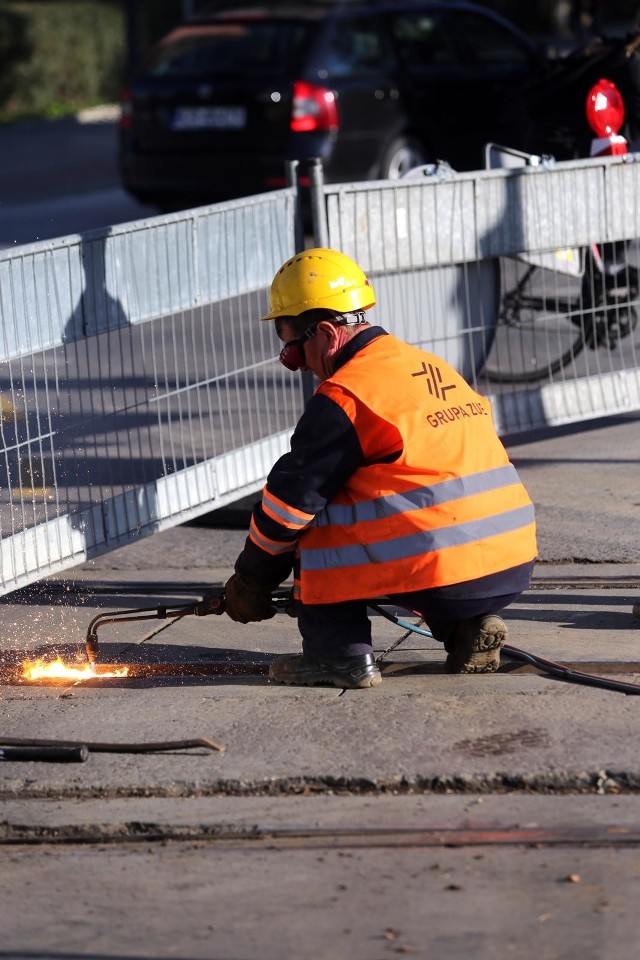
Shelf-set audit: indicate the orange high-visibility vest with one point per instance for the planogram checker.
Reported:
(449, 509)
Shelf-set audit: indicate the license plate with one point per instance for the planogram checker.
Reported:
(209, 118)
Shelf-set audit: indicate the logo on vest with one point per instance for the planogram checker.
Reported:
(434, 381)
(451, 414)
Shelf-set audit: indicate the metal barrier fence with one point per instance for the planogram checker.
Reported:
(136, 388)
(137, 391)
(497, 271)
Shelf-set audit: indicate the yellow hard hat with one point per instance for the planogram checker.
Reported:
(319, 278)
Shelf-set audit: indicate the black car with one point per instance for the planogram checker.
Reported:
(372, 88)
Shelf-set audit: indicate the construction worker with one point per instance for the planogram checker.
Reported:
(396, 485)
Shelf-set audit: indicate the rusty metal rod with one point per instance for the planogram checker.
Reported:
(48, 754)
(281, 838)
(156, 746)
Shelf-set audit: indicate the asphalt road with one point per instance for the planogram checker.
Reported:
(60, 177)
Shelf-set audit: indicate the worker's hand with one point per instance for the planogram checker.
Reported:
(247, 601)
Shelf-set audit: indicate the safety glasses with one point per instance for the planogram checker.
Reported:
(292, 354)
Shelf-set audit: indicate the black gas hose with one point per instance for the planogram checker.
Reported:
(548, 667)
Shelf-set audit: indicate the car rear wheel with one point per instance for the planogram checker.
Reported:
(402, 155)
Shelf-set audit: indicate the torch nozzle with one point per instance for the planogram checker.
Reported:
(91, 647)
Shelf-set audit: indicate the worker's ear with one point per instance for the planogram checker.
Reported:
(328, 330)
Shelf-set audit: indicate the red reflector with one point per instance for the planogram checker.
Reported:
(314, 108)
(605, 108)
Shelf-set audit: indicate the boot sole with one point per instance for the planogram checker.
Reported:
(479, 652)
(328, 680)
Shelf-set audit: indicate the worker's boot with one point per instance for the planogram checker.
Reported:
(352, 673)
(475, 645)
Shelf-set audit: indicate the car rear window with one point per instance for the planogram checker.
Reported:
(231, 49)
(488, 41)
(352, 47)
(423, 40)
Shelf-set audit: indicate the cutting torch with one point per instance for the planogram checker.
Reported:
(211, 603)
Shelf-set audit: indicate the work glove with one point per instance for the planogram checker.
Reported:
(247, 601)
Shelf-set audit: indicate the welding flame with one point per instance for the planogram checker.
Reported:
(57, 669)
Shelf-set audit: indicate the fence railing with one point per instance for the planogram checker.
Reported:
(137, 390)
(497, 271)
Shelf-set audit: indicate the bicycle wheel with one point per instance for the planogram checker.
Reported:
(610, 284)
(539, 329)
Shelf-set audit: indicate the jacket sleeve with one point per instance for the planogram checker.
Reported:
(325, 451)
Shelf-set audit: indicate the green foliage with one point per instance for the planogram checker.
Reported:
(61, 56)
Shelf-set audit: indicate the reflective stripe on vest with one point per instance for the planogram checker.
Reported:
(417, 544)
(438, 493)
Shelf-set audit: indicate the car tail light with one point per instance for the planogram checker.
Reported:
(126, 111)
(314, 108)
(271, 182)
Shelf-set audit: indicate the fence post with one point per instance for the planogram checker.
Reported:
(319, 225)
(298, 216)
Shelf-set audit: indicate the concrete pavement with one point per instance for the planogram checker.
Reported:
(321, 794)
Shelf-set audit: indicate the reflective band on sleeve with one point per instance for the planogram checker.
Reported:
(273, 547)
(282, 513)
(417, 544)
(418, 498)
